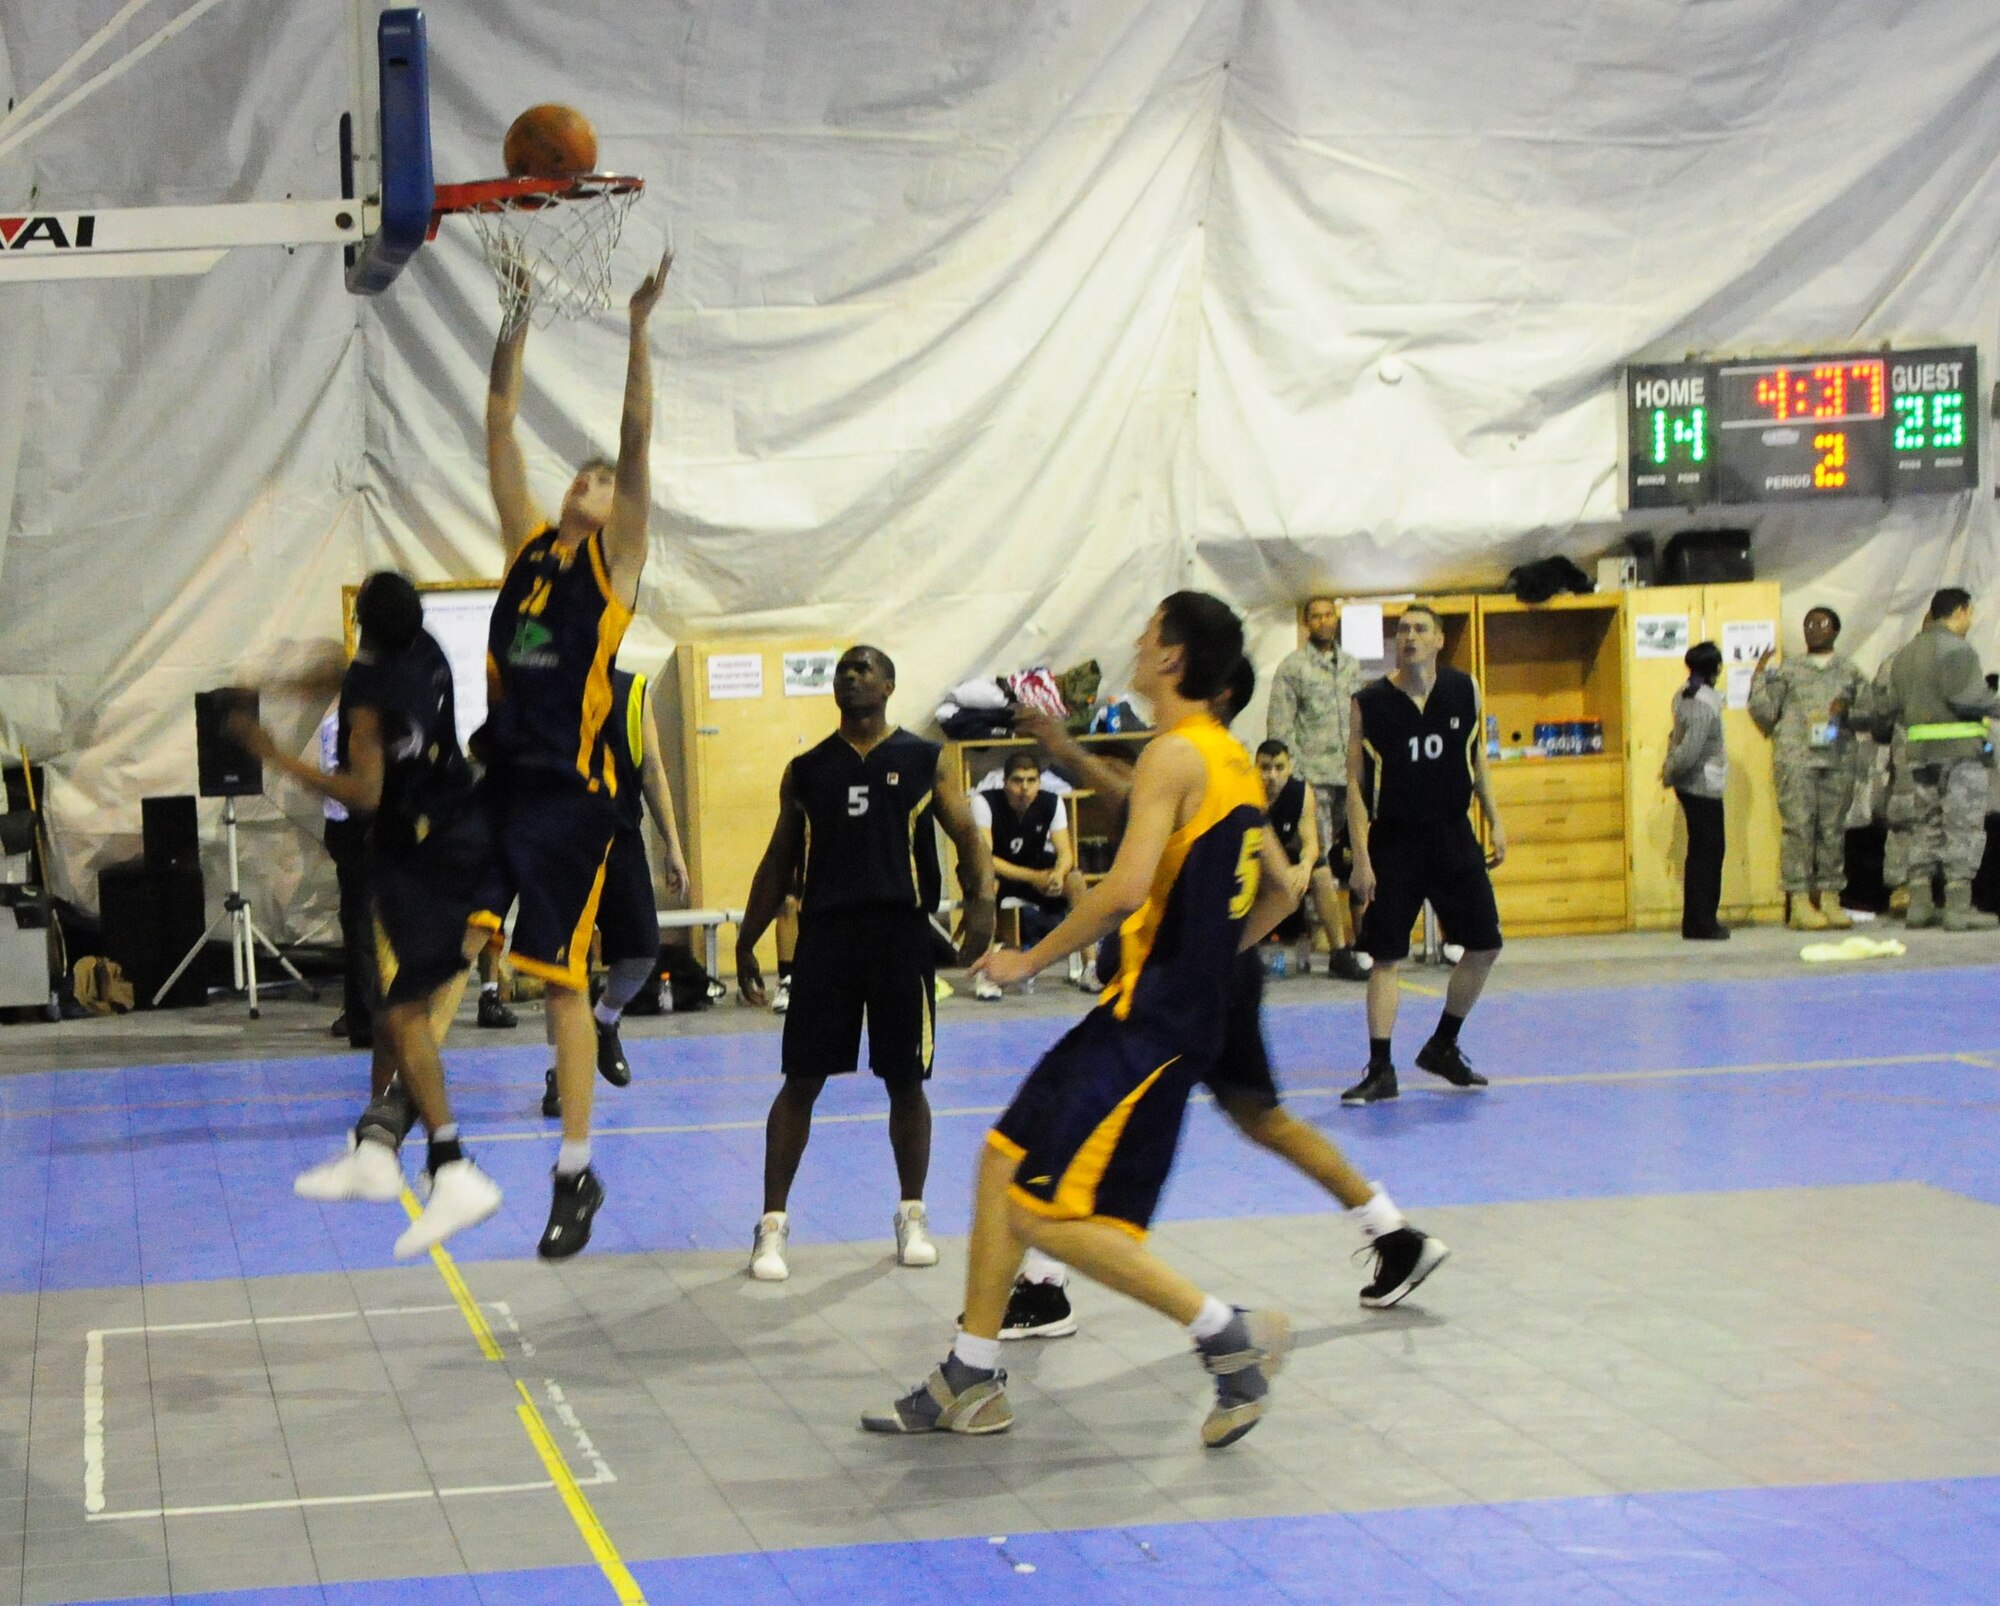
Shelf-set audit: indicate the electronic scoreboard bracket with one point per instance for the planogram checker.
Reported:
(1877, 424)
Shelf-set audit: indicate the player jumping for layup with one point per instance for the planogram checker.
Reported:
(570, 590)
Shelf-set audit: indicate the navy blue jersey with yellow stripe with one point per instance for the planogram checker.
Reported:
(625, 740)
(871, 841)
(1176, 949)
(549, 649)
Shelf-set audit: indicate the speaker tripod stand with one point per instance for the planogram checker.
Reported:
(243, 934)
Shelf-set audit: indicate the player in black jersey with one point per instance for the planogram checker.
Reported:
(854, 829)
(568, 595)
(628, 922)
(1242, 1080)
(1416, 761)
(427, 847)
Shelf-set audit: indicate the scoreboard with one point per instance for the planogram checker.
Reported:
(1799, 429)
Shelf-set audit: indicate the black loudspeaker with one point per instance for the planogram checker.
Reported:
(1707, 557)
(226, 770)
(151, 918)
(173, 834)
(17, 787)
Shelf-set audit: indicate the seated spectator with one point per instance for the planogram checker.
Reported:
(1028, 829)
(1294, 815)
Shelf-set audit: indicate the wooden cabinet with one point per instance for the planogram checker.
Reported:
(1595, 843)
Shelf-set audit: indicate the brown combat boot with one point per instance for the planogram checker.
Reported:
(1922, 910)
(1959, 915)
(1831, 912)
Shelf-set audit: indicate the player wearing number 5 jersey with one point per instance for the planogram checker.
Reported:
(1075, 1165)
(1415, 762)
(856, 832)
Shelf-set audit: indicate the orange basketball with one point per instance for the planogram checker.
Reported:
(550, 142)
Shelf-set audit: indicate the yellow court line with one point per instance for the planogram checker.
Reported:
(1974, 1059)
(581, 1512)
(468, 1307)
(1419, 989)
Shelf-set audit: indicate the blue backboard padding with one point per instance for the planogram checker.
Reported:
(409, 188)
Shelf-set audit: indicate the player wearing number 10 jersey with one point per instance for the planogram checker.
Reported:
(1416, 760)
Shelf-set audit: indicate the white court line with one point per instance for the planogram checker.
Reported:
(1304, 1091)
(93, 1407)
(339, 1500)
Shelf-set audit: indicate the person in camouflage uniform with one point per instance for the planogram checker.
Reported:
(1310, 697)
(1804, 705)
(1935, 697)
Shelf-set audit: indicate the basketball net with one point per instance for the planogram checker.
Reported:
(550, 254)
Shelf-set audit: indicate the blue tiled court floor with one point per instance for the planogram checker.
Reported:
(1717, 1329)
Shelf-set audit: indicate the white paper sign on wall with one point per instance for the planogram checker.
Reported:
(735, 676)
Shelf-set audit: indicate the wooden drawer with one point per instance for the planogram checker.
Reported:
(1555, 780)
(1549, 903)
(1589, 821)
(1602, 860)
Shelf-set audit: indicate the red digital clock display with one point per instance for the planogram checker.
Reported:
(1850, 391)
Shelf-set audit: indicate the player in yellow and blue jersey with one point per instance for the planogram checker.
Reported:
(1075, 1165)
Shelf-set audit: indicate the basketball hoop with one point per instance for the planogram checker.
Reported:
(548, 241)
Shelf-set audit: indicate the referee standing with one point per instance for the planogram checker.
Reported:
(1415, 761)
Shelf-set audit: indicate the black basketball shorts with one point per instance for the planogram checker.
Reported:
(1094, 1128)
(552, 836)
(423, 900)
(1242, 1068)
(856, 965)
(627, 918)
(1436, 862)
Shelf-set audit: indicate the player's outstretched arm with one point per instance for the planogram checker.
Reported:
(975, 863)
(777, 872)
(506, 468)
(1169, 773)
(632, 499)
(358, 786)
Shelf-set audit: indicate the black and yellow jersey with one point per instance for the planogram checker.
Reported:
(870, 838)
(625, 741)
(1175, 949)
(555, 632)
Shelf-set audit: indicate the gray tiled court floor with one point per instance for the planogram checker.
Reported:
(1587, 1347)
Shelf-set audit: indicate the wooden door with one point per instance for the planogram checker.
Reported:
(739, 729)
(1750, 814)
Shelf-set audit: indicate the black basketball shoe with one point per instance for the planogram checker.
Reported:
(611, 1062)
(1403, 1259)
(576, 1200)
(551, 1095)
(1373, 1088)
(1037, 1310)
(1444, 1059)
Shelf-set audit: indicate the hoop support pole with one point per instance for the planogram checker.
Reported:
(143, 241)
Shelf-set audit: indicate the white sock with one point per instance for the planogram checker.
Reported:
(492, 987)
(905, 1206)
(1379, 1215)
(981, 1353)
(1037, 1267)
(446, 1133)
(604, 1014)
(572, 1157)
(1213, 1317)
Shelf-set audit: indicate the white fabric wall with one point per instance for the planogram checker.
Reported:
(990, 324)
